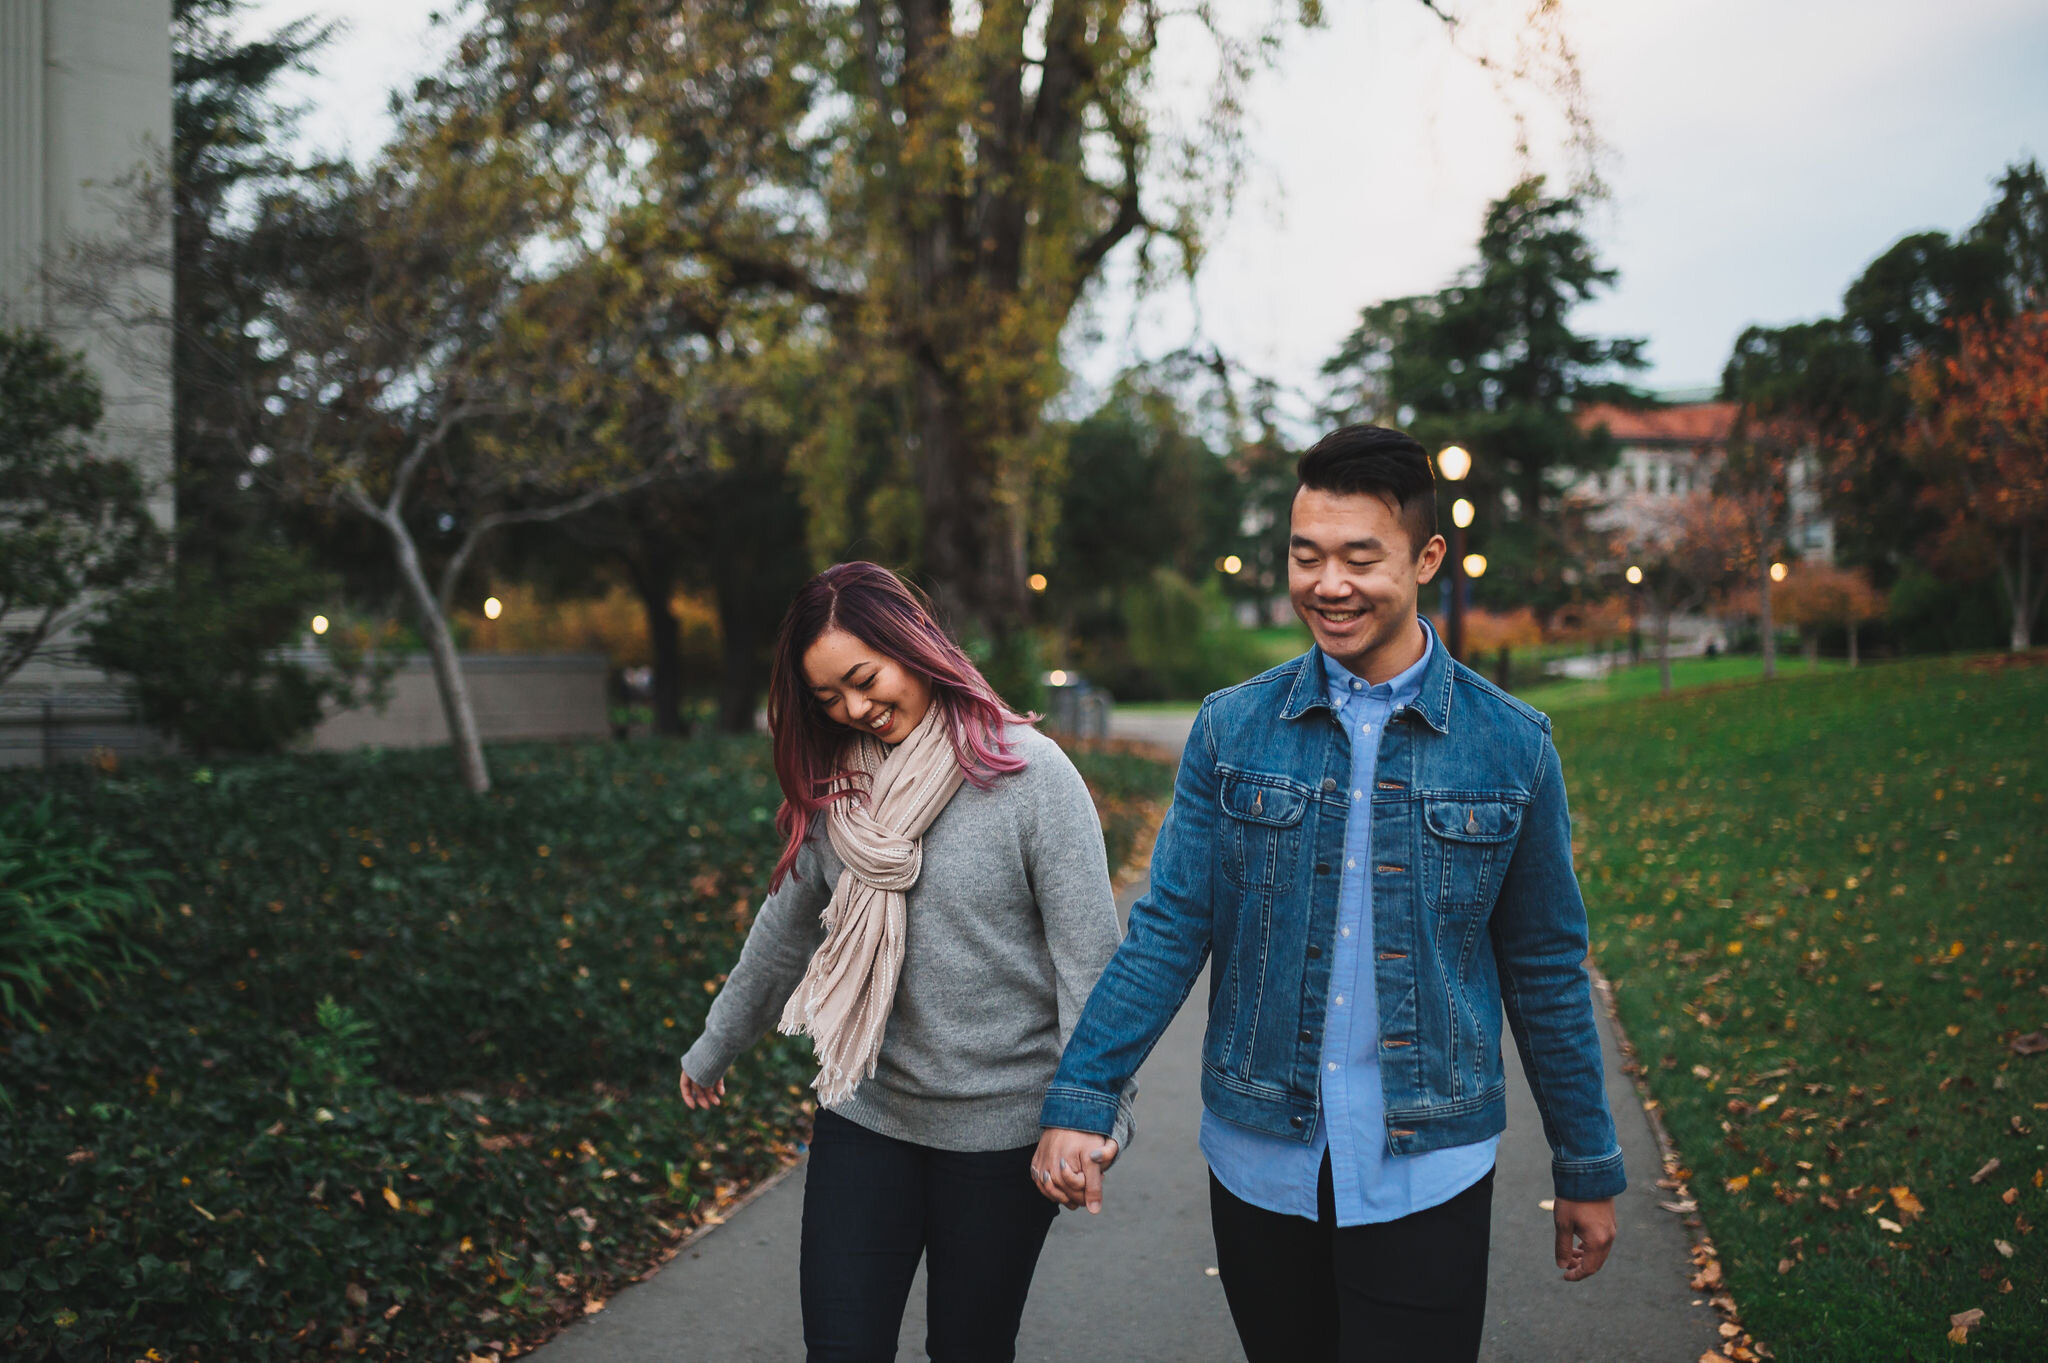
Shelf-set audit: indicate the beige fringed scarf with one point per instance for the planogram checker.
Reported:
(850, 985)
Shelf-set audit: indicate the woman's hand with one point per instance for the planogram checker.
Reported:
(696, 1095)
(1068, 1166)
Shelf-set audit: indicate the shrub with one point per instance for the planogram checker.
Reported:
(402, 1085)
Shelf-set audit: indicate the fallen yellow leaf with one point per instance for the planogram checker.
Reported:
(391, 1198)
(1908, 1205)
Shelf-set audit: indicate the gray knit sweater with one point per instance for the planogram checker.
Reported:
(1010, 921)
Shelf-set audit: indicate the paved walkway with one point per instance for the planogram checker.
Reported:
(1133, 1285)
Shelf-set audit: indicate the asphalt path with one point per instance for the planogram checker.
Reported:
(1137, 1284)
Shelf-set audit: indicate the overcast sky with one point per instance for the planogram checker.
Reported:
(1760, 152)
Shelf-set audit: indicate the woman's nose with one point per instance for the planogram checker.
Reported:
(856, 705)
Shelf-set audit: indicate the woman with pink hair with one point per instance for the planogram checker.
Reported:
(940, 911)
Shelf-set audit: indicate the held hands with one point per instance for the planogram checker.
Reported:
(1591, 1224)
(697, 1095)
(1069, 1165)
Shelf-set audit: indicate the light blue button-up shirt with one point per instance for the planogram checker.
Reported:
(1370, 1185)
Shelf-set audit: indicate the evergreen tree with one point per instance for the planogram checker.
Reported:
(1492, 363)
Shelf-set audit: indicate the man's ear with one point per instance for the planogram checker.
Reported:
(1430, 559)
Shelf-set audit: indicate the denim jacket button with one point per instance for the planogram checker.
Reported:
(1329, 784)
(1307, 1035)
(1294, 1122)
(1314, 952)
(1322, 868)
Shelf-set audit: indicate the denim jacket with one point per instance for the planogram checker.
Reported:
(1475, 910)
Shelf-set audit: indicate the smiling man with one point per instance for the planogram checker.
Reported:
(1372, 842)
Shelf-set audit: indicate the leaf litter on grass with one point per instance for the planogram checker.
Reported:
(1815, 901)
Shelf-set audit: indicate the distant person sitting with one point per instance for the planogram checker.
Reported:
(1370, 847)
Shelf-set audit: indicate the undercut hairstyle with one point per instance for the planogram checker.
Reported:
(1378, 462)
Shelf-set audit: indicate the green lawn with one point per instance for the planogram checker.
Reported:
(1820, 902)
(478, 1138)
(1553, 695)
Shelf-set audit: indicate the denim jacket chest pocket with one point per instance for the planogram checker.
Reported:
(1466, 844)
(1261, 830)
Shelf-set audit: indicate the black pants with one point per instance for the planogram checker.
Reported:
(873, 1205)
(1302, 1291)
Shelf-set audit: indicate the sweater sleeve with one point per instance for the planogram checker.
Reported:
(1068, 867)
(786, 933)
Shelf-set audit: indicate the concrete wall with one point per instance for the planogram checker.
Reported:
(85, 121)
(516, 696)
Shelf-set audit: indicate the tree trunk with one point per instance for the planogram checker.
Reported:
(1852, 643)
(1765, 624)
(739, 676)
(654, 582)
(448, 680)
(2023, 598)
(1809, 644)
(973, 540)
(1664, 649)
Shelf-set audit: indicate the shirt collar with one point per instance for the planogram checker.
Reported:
(1399, 689)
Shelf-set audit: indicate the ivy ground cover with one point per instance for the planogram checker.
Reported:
(402, 1083)
(1820, 901)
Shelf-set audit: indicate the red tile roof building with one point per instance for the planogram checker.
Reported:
(1674, 450)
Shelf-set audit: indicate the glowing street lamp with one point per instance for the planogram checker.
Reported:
(493, 608)
(319, 624)
(1231, 564)
(1453, 462)
(1037, 584)
(1475, 565)
(1779, 572)
(1634, 575)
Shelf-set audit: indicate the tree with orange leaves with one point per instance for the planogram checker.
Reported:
(1981, 436)
(1684, 549)
(1816, 595)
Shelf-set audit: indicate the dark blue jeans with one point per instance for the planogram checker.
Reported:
(873, 1205)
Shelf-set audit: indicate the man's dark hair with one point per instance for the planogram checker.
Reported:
(1379, 462)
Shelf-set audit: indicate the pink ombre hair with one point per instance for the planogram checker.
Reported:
(896, 620)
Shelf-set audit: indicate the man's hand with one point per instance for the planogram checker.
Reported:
(1068, 1166)
(1591, 1224)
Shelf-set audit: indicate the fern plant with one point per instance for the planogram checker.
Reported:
(70, 908)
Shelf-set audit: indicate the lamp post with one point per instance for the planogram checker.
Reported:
(1453, 463)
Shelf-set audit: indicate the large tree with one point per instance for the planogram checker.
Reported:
(1981, 439)
(1492, 363)
(431, 385)
(943, 182)
(1840, 384)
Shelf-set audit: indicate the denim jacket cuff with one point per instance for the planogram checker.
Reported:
(1588, 1180)
(1079, 1109)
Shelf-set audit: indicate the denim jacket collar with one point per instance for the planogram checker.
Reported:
(1432, 702)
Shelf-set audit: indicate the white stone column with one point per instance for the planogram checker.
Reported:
(22, 141)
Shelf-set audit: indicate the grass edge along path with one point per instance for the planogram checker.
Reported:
(1815, 901)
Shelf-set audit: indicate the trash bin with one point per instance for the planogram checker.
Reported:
(1076, 707)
